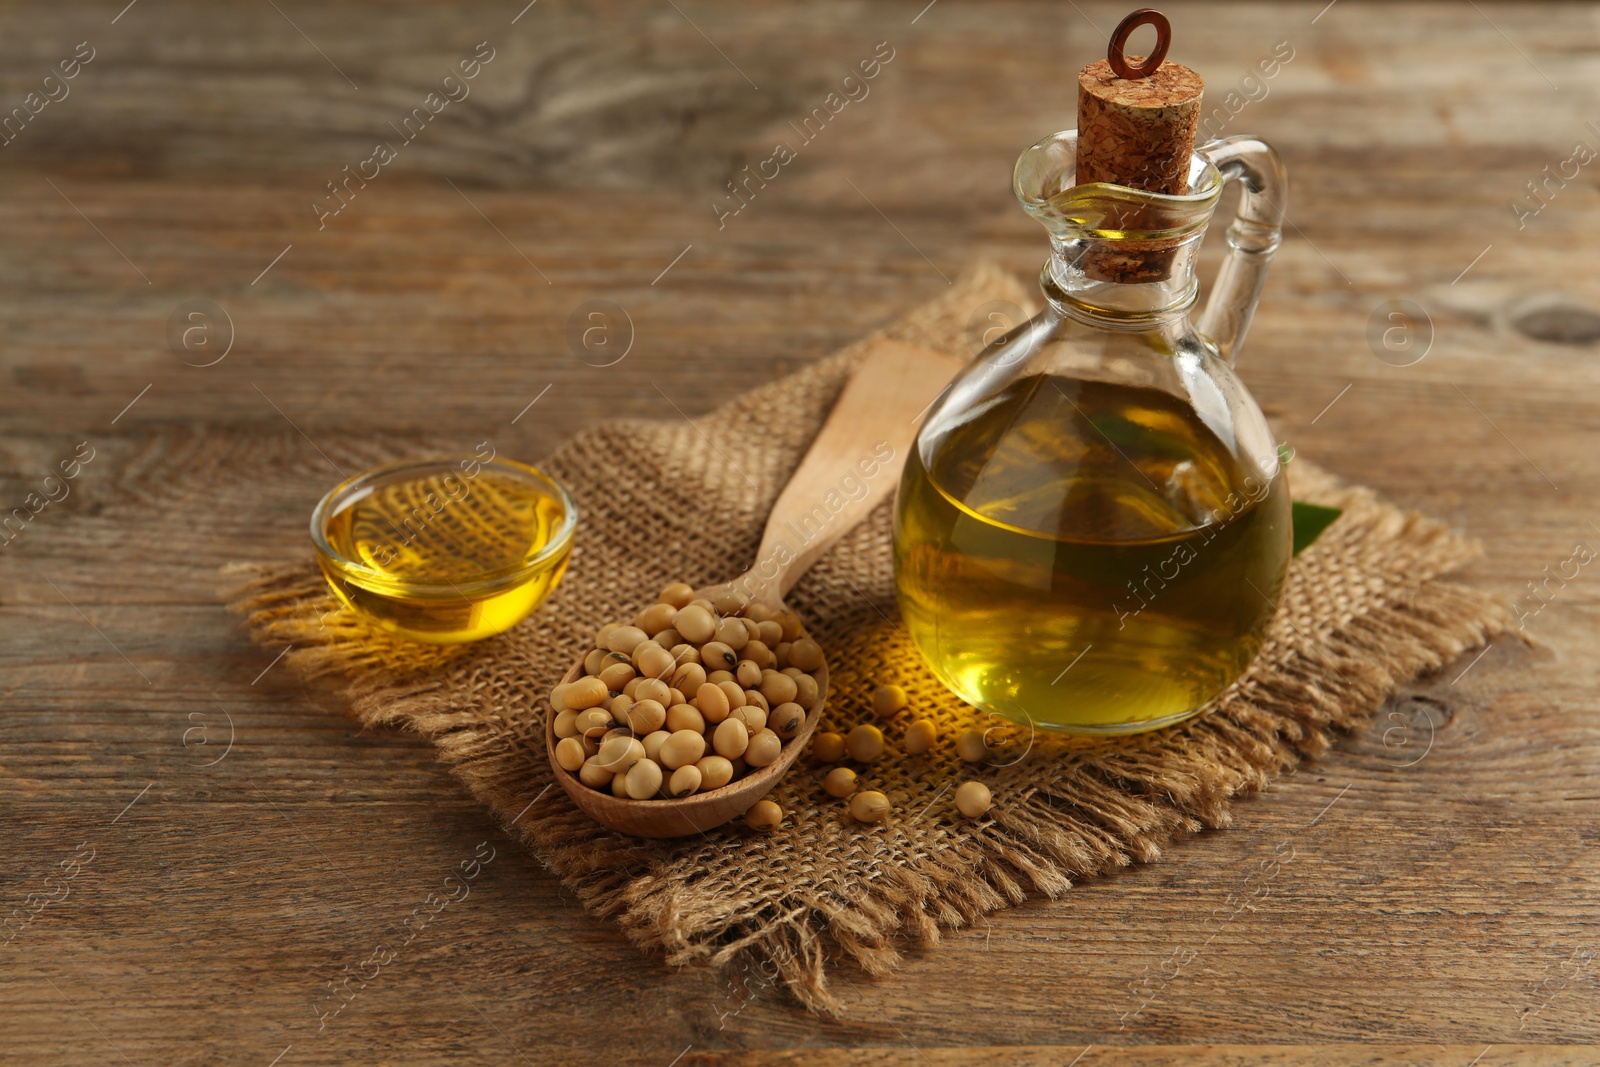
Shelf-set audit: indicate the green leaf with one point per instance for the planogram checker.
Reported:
(1309, 520)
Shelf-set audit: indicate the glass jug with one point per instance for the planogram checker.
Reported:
(1093, 527)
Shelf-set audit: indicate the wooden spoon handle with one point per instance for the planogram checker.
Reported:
(854, 462)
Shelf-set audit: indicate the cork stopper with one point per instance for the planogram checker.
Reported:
(1137, 118)
(1138, 133)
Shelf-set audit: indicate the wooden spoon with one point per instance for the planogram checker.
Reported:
(874, 422)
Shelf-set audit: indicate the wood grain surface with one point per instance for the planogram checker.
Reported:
(194, 848)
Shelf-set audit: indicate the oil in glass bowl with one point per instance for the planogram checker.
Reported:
(445, 551)
(1081, 555)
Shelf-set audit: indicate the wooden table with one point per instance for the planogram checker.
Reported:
(1440, 902)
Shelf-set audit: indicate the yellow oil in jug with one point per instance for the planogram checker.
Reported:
(1087, 556)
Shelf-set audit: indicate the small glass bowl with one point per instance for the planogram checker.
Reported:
(447, 598)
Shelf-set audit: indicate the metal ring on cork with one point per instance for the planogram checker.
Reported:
(1145, 16)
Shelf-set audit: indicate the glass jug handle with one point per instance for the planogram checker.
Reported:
(1254, 236)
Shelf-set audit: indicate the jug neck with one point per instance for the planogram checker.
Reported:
(1082, 281)
(1121, 258)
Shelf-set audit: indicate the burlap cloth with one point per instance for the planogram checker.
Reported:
(1364, 610)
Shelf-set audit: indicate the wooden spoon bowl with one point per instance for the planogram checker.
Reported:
(880, 408)
(701, 811)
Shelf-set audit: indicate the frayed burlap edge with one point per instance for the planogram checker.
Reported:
(1104, 807)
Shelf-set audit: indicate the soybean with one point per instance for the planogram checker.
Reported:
(763, 748)
(655, 618)
(652, 744)
(653, 661)
(764, 815)
(920, 736)
(734, 692)
(644, 779)
(715, 772)
(731, 632)
(712, 702)
(682, 748)
(592, 776)
(778, 688)
(646, 717)
(593, 721)
(618, 753)
(625, 639)
(652, 689)
(569, 753)
(804, 653)
(753, 717)
(827, 747)
(972, 799)
(728, 602)
(840, 782)
(685, 717)
(870, 806)
(887, 699)
(616, 676)
(718, 654)
(678, 594)
(688, 678)
(584, 693)
(864, 743)
(786, 720)
(788, 623)
(685, 780)
(695, 624)
(971, 747)
(806, 691)
(731, 738)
